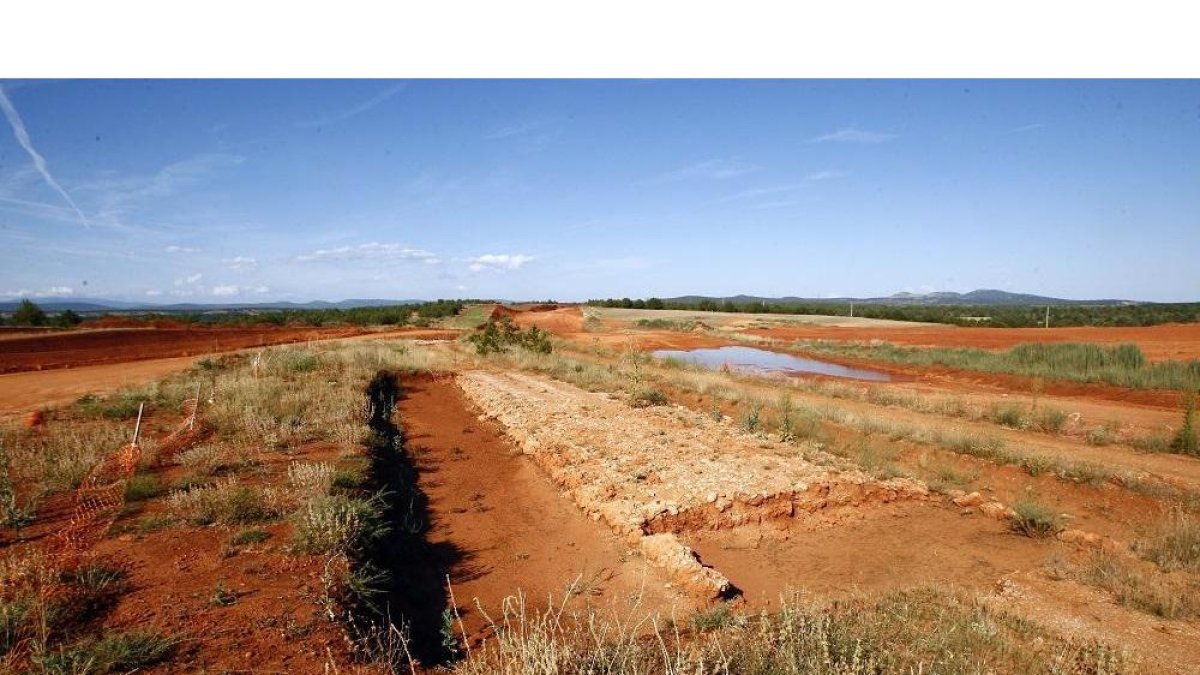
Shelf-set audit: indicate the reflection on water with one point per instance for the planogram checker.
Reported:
(751, 360)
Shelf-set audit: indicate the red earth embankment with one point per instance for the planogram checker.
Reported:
(89, 347)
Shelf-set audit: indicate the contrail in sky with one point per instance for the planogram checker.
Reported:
(39, 162)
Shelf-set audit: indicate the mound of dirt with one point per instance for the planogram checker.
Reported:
(666, 470)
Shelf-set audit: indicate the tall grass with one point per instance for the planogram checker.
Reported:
(923, 630)
(1123, 365)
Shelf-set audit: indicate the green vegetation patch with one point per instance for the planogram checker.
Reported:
(1122, 365)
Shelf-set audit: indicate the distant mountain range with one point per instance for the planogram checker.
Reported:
(977, 297)
(100, 305)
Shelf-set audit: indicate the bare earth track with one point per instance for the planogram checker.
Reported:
(511, 528)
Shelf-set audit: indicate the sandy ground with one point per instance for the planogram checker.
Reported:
(21, 393)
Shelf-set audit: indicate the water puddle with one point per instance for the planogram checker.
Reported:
(761, 361)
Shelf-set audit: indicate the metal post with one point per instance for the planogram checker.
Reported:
(1047, 316)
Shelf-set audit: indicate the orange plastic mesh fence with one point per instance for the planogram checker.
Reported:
(99, 499)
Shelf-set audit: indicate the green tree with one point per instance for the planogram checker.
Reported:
(68, 319)
(1185, 440)
(28, 314)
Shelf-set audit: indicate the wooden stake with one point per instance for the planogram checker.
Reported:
(137, 428)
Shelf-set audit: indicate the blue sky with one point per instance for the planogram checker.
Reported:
(247, 191)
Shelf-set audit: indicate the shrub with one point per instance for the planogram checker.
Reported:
(1146, 590)
(142, 486)
(1010, 416)
(225, 502)
(336, 524)
(94, 587)
(1033, 519)
(1185, 440)
(247, 537)
(1175, 543)
(123, 405)
(646, 398)
(311, 478)
(717, 617)
(1050, 420)
(112, 653)
(497, 335)
(753, 420)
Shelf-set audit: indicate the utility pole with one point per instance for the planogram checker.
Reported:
(852, 310)
(1047, 316)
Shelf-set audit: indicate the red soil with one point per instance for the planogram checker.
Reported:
(512, 529)
(69, 349)
(558, 320)
(1168, 341)
(871, 551)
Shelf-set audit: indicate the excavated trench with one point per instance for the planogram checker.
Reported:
(414, 596)
(464, 507)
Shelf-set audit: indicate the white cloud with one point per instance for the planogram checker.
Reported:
(190, 279)
(39, 162)
(1027, 127)
(356, 109)
(53, 291)
(372, 250)
(498, 262)
(120, 196)
(240, 263)
(180, 249)
(827, 174)
(153, 293)
(714, 169)
(760, 191)
(531, 134)
(224, 290)
(853, 135)
(260, 289)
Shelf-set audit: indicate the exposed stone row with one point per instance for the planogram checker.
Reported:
(650, 473)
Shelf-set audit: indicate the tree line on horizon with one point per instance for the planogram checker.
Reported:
(996, 316)
(28, 313)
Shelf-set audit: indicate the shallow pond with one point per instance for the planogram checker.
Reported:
(760, 361)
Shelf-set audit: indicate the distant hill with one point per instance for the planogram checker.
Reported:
(977, 297)
(94, 305)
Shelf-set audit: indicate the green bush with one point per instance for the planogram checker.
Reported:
(28, 314)
(1185, 440)
(645, 398)
(1033, 519)
(336, 524)
(142, 486)
(112, 653)
(498, 335)
(247, 537)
